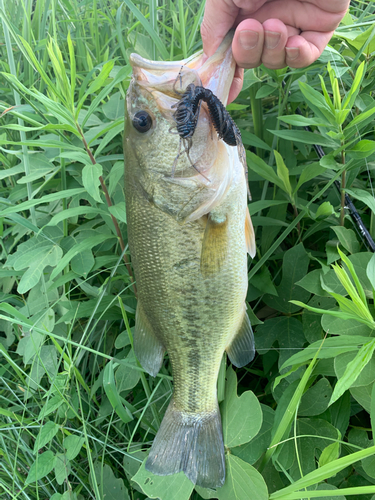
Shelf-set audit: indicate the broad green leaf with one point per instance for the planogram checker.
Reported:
(252, 451)
(363, 395)
(80, 247)
(325, 209)
(74, 212)
(353, 370)
(250, 139)
(50, 406)
(242, 478)
(302, 121)
(256, 206)
(317, 102)
(119, 211)
(42, 466)
(349, 99)
(365, 377)
(241, 416)
(126, 376)
(330, 452)
(46, 434)
(305, 137)
(113, 488)
(115, 175)
(362, 149)
(91, 182)
(261, 168)
(332, 347)
(114, 107)
(294, 268)
(315, 400)
(308, 173)
(364, 196)
(62, 468)
(249, 79)
(113, 395)
(340, 326)
(174, 487)
(283, 173)
(286, 331)
(73, 445)
(45, 199)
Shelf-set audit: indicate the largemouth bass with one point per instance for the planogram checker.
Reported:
(189, 232)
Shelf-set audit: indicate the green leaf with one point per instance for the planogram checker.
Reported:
(241, 479)
(302, 121)
(50, 406)
(261, 168)
(119, 211)
(294, 268)
(252, 451)
(237, 429)
(46, 434)
(366, 375)
(315, 400)
(283, 173)
(42, 466)
(330, 452)
(353, 370)
(83, 245)
(174, 487)
(250, 139)
(113, 395)
(362, 149)
(91, 182)
(364, 196)
(308, 173)
(127, 376)
(305, 137)
(74, 212)
(62, 468)
(73, 445)
(113, 488)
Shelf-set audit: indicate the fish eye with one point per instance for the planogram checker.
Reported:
(142, 121)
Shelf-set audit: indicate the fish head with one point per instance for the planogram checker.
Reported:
(152, 142)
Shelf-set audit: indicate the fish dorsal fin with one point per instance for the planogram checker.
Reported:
(250, 235)
(214, 245)
(148, 349)
(242, 348)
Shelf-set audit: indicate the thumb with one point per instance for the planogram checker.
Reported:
(219, 17)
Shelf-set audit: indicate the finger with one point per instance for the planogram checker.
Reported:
(218, 18)
(247, 43)
(236, 84)
(275, 38)
(304, 49)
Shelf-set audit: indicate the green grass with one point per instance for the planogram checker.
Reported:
(77, 412)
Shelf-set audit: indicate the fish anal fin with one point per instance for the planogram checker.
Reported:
(148, 349)
(241, 350)
(250, 235)
(192, 443)
(214, 245)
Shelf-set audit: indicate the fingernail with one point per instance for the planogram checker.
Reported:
(292, 52)
(248, 39)
(271, 39)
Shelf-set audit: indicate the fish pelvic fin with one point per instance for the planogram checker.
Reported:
(250, 236)
(148, 349)
(242, 348)
(214, 245)
(192, 443)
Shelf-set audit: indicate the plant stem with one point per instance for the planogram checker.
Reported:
(257, 112)
(343, 183)
(109, 203)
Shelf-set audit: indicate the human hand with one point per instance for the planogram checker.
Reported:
(277, 33)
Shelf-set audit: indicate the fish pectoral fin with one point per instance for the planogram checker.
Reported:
(147, 347)
(250, 235)
(214, 245)
(242, 348)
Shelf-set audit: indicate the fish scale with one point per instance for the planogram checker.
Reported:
(188, 237)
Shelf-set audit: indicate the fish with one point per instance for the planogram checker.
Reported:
(189, 232)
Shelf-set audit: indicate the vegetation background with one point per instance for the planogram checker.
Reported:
(77, 413)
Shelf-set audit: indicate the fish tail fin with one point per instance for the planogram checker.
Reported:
(192, 443)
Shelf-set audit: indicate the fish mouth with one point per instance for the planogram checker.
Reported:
(171, 78)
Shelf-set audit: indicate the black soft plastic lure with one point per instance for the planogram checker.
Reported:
(186, 118)
(187, 114)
